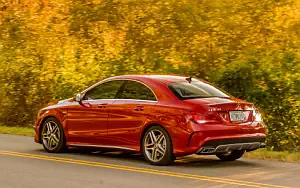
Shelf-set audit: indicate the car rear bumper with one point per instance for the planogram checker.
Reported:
(225, 145)
(209, 142)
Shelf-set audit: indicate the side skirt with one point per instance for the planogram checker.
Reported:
(102, 147)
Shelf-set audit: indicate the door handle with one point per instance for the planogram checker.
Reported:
(103, 105)
(139, 108)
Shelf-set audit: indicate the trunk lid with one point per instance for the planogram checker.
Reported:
(231, 111)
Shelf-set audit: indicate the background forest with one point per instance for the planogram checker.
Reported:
(51, 49)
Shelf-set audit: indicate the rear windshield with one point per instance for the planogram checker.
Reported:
(195, 89)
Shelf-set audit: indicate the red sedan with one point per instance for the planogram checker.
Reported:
(163, 117)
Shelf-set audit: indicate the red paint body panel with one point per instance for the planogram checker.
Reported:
(126, 119)
(122, 122)
(89, 122)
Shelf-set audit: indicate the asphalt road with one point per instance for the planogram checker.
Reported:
(24, 164)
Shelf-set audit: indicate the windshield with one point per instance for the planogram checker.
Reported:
(195, 89)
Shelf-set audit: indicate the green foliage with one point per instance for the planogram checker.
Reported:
(276, 96)
(24, 131)
(274, 155)
(49, 50)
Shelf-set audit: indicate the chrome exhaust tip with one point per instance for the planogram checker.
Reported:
(207, 150)
(262, 145)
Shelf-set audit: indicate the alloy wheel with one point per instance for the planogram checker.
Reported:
(155, 145)
(51, 135)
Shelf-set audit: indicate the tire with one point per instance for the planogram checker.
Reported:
(162, 144)
(233, 155)
(52, 136)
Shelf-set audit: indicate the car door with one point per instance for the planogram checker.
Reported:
(128, 114)
(87, 120)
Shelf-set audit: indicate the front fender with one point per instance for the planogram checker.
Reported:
(59, 114)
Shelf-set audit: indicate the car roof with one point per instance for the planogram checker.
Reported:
(162, 78)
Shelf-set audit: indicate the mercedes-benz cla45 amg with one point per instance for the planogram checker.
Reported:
(163, 117)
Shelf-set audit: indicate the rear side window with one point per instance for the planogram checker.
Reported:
(107, 90)
(136, 90)
(195, 89)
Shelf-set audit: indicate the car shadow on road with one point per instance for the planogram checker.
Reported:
(211, 161)
(192, 161)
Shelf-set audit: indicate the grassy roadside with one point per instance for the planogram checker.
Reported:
(24, 131)
(259, 154)
(274, 155)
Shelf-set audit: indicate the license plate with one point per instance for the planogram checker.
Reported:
(236, 116)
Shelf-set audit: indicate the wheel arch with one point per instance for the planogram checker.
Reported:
(148, 127)
(41, 125)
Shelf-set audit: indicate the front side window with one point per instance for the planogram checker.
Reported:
(136, 90)
(195, 89)
(107, 90)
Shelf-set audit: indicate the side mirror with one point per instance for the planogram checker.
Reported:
(78, 97)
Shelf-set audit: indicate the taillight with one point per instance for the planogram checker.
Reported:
(257, 116)
(201, 118)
